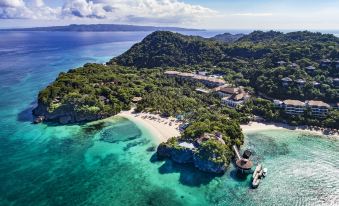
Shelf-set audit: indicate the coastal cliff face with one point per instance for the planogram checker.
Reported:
(65, 114)
(185, 155)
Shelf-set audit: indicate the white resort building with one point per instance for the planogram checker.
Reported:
(294, 107)
(318, 108)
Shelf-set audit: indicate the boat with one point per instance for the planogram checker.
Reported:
(257, 170)
(256, 181)
(264, 172)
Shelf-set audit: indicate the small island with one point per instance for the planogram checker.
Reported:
(211, 85)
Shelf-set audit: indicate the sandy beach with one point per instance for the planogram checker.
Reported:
(161, 128)
(259, 126)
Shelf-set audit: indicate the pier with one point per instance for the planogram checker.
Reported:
(242, 163)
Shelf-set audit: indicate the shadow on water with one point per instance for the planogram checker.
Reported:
(26, 114)
(189, 175)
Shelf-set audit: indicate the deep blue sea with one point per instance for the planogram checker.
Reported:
(109, 162)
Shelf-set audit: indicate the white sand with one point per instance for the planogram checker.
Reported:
(258, 126)
(161, 128)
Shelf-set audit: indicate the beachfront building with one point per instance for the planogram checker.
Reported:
(318, 108)
(294, 107)
(286, 81)
(235, 100)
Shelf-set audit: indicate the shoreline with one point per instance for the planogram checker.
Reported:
(263, 126)
(161, 128)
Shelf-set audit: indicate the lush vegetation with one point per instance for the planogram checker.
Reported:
(250, 61)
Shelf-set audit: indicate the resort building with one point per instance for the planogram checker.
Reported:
(203, 73)
(316, 84)
(226, 91)
(209, 136)
(286, 81)
(337, 64)
(294, 107)
(336, 106)
(310, 69)
(325, 63)
(300, 82)
(235, 100)
(318, 108)
(207, 80)
(278, 103)
(281, 63)
(294, 66)
(203, 91)
(172, 73)
(336, 82)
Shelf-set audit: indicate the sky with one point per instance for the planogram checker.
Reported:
(205, 14)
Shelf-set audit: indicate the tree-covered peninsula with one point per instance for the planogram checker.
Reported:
(171, 74)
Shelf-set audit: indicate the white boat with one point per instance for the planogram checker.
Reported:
(264, 172)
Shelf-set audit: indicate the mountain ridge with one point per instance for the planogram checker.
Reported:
(101, 28)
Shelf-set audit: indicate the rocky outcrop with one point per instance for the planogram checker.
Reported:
(208, 165)
(186, 155)
(65, 115)
(177, 154)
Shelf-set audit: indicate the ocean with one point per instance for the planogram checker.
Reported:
(111, 162)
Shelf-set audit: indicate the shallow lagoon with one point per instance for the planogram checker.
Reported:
(111, 162)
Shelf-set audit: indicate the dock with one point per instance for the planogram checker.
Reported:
(242, 163)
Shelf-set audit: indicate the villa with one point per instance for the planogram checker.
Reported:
(316, 84)
(337, 64)
(281, 63)
(300, 82)
(235, 100)
(286, 81)
(318, 108)
(226, 91)
(336, 82)
(325, 63)
(294, 107)
(310, 69)
(294, 66)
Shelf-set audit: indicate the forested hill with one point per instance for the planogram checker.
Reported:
(250, 61)
(227, 37)
(163, 48)
(173, 49)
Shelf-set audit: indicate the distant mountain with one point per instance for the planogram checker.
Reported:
(227, 37)
(102, 28)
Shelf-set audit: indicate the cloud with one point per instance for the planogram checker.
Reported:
(253, 14)
(122, 11)
(169, 11)
(18, 9)
(11, 3)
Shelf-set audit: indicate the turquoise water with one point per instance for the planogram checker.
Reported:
(111, 162)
